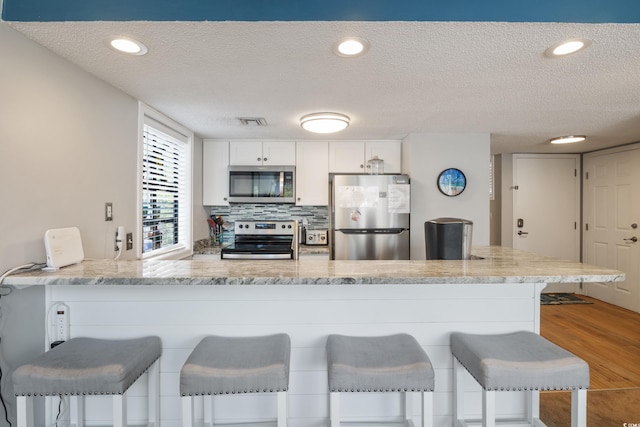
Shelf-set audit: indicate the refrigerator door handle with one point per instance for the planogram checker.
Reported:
(372, 230)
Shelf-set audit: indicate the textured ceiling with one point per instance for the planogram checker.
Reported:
(487, 77)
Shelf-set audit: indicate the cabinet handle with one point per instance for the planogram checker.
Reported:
(225, 199)
(265, 159)
(361, 166)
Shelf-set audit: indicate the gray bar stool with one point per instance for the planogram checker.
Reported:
(517, 361)
(233, 365)
(89, 366)
(392, 363)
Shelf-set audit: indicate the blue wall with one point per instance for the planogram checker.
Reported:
(587, 11)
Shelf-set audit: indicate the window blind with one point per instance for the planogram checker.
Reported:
(164, 191)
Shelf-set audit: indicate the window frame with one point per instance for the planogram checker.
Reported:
(150, 117)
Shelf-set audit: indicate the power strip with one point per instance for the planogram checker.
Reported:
(60, 323)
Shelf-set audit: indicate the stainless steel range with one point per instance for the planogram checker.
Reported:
(263, 240)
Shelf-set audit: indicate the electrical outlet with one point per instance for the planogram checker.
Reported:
(129, 241)
(61, 324)
(108, 211)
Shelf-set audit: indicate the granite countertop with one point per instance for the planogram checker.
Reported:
(499, 265)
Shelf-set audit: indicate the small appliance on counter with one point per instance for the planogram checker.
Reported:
(316, 237)
(448, 238)
(263, 240)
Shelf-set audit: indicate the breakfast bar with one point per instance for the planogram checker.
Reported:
(183, 301)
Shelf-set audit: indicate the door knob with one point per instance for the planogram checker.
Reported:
(632, 239)
(520, 233)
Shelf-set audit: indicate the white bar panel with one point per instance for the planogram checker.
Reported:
(182, 315)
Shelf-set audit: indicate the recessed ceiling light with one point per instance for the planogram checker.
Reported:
(567, 47)
(128, 46)
(324, 122)
(351, 47)
(568, 139)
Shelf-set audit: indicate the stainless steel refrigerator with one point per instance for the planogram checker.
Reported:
(369, 217)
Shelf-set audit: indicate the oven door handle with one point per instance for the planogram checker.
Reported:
(254, 256)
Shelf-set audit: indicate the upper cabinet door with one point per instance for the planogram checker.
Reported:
(346, 157)
(259, 153)
(389, 151)
(352, 156)
(312, 173)
(215, 178)
(279, 153)
(245, 153)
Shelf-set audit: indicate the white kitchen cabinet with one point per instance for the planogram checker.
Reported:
(215, 177)
(389, 151)
(312, 173)
(346, 156)
(352, 156)
(262, 153)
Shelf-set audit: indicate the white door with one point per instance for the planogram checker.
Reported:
(547, 208)
(611, 221)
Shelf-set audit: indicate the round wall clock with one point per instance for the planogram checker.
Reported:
(451, 182)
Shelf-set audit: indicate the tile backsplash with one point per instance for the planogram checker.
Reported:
(316, 216)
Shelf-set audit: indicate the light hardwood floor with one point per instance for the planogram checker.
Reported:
(607, 337)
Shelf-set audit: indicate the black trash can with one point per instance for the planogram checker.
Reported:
(448, 238)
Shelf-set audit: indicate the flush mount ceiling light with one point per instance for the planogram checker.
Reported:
(568, 139)
(324, 122)
(351, 47)
(567, 47)
(128, 46)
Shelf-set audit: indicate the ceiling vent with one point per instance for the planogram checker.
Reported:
(253, 121)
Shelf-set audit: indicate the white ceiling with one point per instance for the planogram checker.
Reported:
(417, 77)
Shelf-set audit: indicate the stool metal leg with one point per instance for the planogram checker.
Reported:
(408, 406)
(488, 408)
(427, 409)
(76, 404)
(187, 411)
(334, 409)
(153, 391)
(24, 409)
(208, 414)
(120, 410)
(282, 409)
(458, 391)
(579, 408)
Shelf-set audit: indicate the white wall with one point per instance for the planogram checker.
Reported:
(68, 144)
(424, 156)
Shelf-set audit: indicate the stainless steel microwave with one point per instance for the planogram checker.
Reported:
(262, 184)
